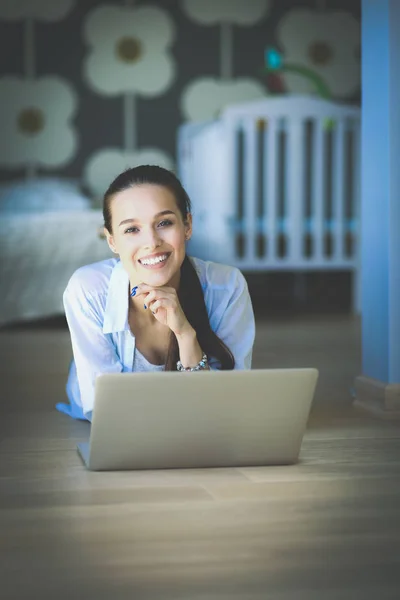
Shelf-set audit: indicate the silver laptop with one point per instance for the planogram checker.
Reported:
(174, 420)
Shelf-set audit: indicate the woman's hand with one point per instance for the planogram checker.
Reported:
(165, 306)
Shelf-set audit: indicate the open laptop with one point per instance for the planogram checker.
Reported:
(202, 419)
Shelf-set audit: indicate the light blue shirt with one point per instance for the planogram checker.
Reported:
(96, 303)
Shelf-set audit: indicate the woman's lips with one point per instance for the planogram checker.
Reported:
(156, 266)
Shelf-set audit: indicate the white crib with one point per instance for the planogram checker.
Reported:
(275, 186)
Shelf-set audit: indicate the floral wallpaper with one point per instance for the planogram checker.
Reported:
(129, 56)
(88, 88)
(204, 97)
(328, 43)
(36, 120)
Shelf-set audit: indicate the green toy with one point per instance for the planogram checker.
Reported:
(274, 64)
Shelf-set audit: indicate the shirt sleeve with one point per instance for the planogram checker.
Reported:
(236, 326)
(94, 352)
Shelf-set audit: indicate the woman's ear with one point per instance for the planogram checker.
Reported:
(188, 227)
(110, 240)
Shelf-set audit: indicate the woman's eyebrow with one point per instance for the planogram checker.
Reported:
(160, 214)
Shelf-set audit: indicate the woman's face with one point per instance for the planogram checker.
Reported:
(149, 234)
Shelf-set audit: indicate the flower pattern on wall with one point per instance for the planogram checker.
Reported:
(211, 12)
(326, 42)
(118, 62)
(129, 50)
(43, 10)
(206, 97)
(105, 165)
(35, 121)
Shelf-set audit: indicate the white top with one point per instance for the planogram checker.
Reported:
(96, 303)
(140, 363)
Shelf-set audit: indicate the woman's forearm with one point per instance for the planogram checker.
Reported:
(190, 352)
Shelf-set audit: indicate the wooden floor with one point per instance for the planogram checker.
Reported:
(325, 529)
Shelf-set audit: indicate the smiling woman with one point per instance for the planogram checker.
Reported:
(153, 308)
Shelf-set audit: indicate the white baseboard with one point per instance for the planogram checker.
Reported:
(378, 398)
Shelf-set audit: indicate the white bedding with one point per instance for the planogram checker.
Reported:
(39, 253)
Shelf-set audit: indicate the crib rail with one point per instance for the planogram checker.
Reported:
(275, 184)
(295, 190)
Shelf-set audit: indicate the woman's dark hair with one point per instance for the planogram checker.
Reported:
(190, 292)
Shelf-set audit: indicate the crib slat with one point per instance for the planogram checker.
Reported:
(250, 188)
(339, 154)
(295, 188)
(229, 180)
(318, 201)
(270, 188)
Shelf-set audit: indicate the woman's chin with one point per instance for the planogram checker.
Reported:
(155, 278)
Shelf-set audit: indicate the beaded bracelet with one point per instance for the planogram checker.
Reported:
(199, 367)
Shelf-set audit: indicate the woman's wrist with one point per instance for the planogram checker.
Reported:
(187, 335)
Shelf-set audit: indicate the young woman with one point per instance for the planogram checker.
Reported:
(153, 308)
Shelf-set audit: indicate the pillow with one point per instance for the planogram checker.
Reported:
(42, 195)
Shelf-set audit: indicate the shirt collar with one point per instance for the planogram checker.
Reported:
(116, 312)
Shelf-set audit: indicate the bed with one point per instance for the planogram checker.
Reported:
(48, 229)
